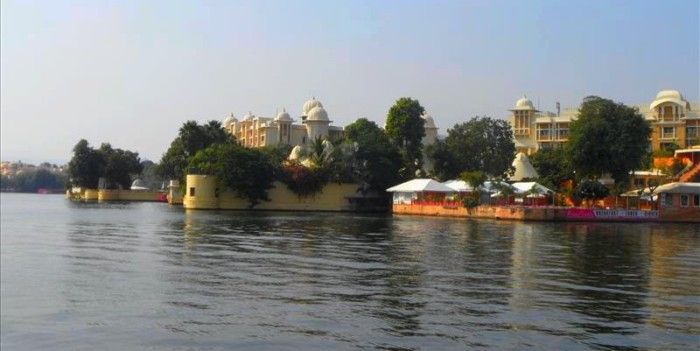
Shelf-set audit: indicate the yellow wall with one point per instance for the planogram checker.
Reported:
(128, 195)
(90, 195)
(333, 197)
(113, 195)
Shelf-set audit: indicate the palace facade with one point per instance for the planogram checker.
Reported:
(257, 131)
(673, 119)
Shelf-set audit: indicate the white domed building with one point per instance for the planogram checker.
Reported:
(258, 131)
(673, 119)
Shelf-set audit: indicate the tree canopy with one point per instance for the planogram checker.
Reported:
(607, 137)
(591, 190)
(86, 166)
(377, 160)
(480, 144)
(119, 166)
(248, 172)
(406, 129)
(192, 137)
(552, 167)
(116, 166)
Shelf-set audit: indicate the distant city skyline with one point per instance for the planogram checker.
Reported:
(130, 73)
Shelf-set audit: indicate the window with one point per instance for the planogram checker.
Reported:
(685, 200)
(191, 191)
(668, 133)
(667, 199)
(696, 200)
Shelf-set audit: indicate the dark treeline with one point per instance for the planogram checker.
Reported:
(33, 180)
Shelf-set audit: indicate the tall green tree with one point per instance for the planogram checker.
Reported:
(480, 144)
(552, 167)
(120, 166)
(86, 166)
(377, 160)
(192, 137)
(248, 172)
(607, 137)
(406, 129)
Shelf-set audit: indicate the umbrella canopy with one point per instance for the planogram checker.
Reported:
(420, 185)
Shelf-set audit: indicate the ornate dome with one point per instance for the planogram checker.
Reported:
(524, 104)
(429, 122)
(248, 116)
(317, 113)
(669, 94)
(283, 116)
(309, 105)
(228, 120)
(673, 96)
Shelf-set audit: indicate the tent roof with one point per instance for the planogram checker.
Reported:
(522, 187)
(462, 186)
(421, 185)
(678, 188)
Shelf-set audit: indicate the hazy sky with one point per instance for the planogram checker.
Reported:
(130, 73)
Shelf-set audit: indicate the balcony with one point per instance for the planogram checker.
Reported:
(522, 131)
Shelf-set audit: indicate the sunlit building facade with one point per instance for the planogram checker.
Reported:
(258, 131)
(673, 119)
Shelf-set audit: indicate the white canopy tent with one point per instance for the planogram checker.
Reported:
(524, 187)
(461, 186)
(405, 193)
(420, 185)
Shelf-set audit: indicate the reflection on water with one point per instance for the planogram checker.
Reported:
(128, 276)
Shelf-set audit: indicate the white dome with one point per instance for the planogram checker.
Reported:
(429, 122)
(317, 113)
(228, 120)
(309, 105)
(673, 96)
(524, 104)
(248, 116)
(283, 116)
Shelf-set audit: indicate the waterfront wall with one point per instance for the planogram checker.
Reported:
(528, 213)
(116, 195)
(205, 192)
(520, 213)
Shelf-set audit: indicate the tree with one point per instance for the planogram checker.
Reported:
(552, 167)
(480, 144)
(377, 160)
(86, 166)
(591, 190)
(120, 165)
(406, 129)
(607, 137)
(191, 138)
(247, 172)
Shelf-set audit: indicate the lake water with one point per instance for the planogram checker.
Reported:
(149, 276)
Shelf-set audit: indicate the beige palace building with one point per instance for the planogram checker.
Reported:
(673, 120)
(256, 131)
